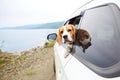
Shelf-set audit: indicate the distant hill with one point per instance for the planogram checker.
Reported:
(53, 25)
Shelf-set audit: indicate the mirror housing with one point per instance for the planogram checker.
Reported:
(52, 37)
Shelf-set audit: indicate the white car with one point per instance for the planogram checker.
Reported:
(101, 18)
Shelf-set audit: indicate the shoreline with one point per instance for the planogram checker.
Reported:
(22, 40)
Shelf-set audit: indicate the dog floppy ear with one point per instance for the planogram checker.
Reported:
(74, 32)
(59, 38)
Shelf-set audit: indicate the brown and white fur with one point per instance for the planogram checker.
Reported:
(69, 35)
(66, 35)
(83, 39)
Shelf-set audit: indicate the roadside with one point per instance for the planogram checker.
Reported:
(34, 64)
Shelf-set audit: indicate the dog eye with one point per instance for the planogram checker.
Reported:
(86, 36)
(69, 30)
(61, 32)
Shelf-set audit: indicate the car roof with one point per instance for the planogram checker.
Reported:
(92, 4)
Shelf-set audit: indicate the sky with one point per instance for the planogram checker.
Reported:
(23, 12)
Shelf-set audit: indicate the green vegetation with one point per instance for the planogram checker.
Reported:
(30, 72)
(22, 57)
(49, 44)
(2, 61)
(0, 50)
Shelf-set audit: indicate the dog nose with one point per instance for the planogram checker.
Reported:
(65, 36)
(89, 44)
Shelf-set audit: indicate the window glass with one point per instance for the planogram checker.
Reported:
(102, 25)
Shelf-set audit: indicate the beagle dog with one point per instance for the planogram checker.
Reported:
(83, 39)
(66, 35)
(70, 36)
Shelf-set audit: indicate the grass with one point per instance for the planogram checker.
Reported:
(2, 61)
(0, 50)
(22, 57)
(30, 72)
(49, 44)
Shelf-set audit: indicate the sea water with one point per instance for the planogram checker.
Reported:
(20, 40)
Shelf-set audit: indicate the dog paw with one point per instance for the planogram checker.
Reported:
(84, 50)
(66, 55)
(69, 49)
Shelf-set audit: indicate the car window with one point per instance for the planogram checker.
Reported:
(74, 21)
(103, 25)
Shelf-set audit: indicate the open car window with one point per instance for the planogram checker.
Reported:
(103, 24)
(74, 21)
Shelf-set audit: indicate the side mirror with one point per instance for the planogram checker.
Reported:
(52, 37)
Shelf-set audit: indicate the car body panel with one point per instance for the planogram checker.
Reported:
(81, 71)
(71, 69)
(60, 62)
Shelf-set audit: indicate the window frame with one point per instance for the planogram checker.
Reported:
(67, 22)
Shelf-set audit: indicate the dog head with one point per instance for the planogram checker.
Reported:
(66, 34)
